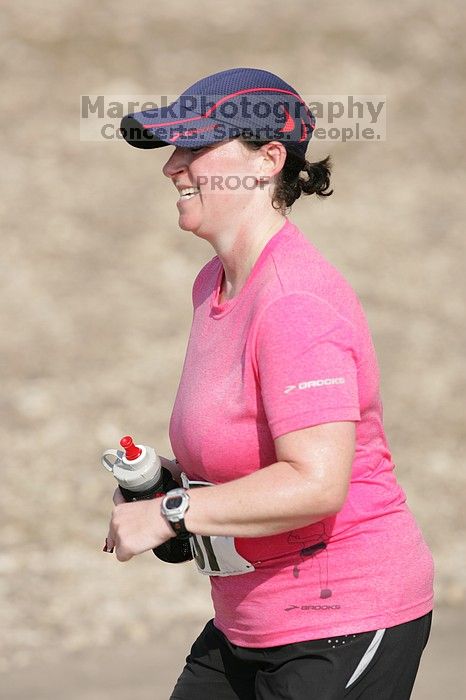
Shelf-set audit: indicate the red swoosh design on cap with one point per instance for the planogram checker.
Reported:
(289, 124)
(223, 99)
(304, 128)
(190, 132)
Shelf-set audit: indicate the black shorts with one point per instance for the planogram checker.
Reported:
(376, 665)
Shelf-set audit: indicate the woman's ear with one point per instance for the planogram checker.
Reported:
(273, 159)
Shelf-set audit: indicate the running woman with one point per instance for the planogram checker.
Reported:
(321, 579)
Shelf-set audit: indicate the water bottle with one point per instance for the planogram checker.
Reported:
(140, 475)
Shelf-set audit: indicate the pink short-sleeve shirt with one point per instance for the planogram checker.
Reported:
(292, 350)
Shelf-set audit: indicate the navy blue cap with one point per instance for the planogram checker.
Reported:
(241, 101)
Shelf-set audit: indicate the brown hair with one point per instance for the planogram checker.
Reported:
(290, 184)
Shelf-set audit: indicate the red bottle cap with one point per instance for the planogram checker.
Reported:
(132, 452)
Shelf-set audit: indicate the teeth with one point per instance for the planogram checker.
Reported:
(189, 192)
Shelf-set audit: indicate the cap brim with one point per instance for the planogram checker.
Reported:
(134, 133)
(141, 130)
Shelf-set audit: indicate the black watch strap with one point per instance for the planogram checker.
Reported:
(179, 528)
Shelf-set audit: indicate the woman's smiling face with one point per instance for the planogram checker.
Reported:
(216, 183)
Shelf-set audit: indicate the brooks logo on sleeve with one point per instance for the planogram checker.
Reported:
(312, 383)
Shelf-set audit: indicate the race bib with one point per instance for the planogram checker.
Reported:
(215, 555)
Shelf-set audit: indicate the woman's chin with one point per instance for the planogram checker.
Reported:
(186, 223)
(190, 221)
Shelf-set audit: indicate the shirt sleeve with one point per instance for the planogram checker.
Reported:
(306, 364)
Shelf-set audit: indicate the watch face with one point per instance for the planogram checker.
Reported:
(174, 502)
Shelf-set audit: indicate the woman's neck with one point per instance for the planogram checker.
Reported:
(239, 253)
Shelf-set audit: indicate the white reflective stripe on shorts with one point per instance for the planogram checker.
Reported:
(368, 655)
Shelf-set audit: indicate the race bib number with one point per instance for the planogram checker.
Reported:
(215, 555)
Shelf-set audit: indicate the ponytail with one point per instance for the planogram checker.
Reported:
(290, 184)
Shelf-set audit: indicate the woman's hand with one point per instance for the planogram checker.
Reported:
(136, 527)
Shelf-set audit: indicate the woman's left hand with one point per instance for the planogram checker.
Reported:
(136, 527)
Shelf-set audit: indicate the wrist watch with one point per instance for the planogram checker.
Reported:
(174, 506)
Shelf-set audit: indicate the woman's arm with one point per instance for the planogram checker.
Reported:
(308, 483)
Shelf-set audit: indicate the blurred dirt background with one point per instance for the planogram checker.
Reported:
(97, 277)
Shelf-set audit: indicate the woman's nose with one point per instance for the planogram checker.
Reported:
(176, 163)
